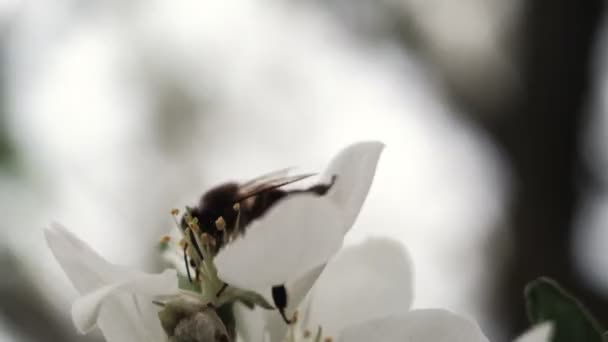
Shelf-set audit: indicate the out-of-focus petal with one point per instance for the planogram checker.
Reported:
(123, 316)
(174, 253)
(259, 325)
(539, 333)
(355, 167)
(295, 236)
(120, 320)
(86, 309)
(363, 282)
(86, 269)
(276, 329)
(250, 323)
(148, 313)
(416, 326)
(297, 291)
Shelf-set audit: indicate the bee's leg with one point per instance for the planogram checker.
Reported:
(219, 293)
(279, 296)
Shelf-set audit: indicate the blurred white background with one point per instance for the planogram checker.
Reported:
(118, 111)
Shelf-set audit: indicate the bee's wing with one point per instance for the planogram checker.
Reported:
(265, 178)
(270, 184)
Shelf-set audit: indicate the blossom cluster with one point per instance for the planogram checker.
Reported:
(356, 293)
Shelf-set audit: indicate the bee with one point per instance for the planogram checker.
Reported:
(237, 205)
(240, 204)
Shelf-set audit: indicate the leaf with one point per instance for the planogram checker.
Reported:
(547, 301)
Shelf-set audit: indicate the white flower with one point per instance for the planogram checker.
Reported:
(364, 294)
(302, 232)
(288, 246)
(116, 298)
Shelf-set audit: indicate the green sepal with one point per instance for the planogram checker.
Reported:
(547, 301)
(248, 298)
(184, 284)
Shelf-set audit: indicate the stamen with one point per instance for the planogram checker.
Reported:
(174, 213)
(193, 224)
(306, 333)
(205, 238)
(194, 242)
(186, 262)
(237, 225)
(165, 239)
(220, 223)
(328, 339)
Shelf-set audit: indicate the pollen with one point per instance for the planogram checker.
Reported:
(174, 211)
(220, 224)
(165, 239)
(236, 207)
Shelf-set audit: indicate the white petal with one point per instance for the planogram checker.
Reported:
(363, 282)
(148, 313)
(355, 167)
(121, 320)
(270, 320)
(427, 325)
(174, 253)
(250, 323)
(86, 309)
(86, 269)
(259, 325)
(276, 329)
(298, 234)
(539, 333)
(298, 289)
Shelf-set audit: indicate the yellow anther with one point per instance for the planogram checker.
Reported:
(193, 224)
(165, 239)
(220, 223)
(205, 238)
(236, 206)
(183, 243)
(174, 211)
(328, 339)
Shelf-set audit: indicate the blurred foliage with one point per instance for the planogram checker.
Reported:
(7, 152)
(547, 301)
